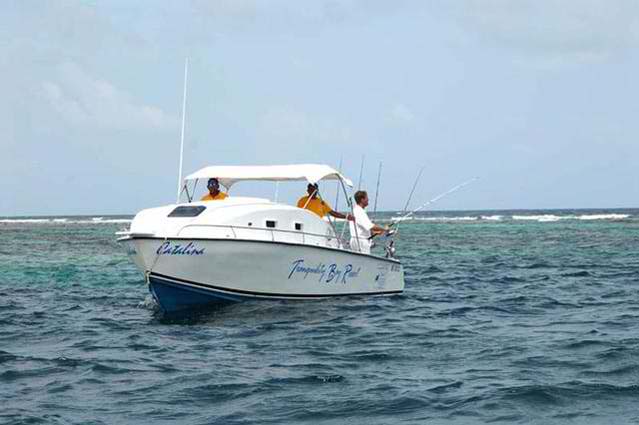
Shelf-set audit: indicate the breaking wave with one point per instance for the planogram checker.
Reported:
(540, 218)
(604, 217)
(443, 218)
(586, 217)
(63, 221)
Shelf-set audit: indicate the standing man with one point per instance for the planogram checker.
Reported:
(314, 203)
(214, 191)
(362, 228)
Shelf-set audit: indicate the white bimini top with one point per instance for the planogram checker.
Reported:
(230, 174)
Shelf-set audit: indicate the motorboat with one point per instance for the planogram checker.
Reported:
(194, 254)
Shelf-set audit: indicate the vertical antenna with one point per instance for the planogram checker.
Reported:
(379, 174)
(339, 170)
(277, 190)
(361, 170)
(179, 186)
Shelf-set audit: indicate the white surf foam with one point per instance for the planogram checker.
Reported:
(25, 220)
(541, 218)
(439, 218)
(444, 218)
(603, 216)
(401, 218)
(107, 221)
(61, 221)
(586, 217)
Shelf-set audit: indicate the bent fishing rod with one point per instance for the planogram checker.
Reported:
(421, 207)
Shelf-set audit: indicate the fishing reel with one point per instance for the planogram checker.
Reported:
(390, 249)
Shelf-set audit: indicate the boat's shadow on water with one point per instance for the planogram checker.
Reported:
(274, 311)
(220, 313)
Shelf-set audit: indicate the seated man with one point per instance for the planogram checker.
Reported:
(214, 191)
(314, 203)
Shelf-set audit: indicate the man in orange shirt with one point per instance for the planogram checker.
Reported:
(314, 203)
(214, 191)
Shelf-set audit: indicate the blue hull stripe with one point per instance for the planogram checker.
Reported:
(174, 297)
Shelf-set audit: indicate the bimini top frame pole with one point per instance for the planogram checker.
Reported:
(349, 203)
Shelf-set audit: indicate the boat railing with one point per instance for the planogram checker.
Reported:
(235, 229)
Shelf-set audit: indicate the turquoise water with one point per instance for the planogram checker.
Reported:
(511, 317)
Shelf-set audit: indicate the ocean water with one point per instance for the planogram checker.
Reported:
(507, 317)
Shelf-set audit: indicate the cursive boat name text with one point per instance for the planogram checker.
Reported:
(168, 248)
(331, 273)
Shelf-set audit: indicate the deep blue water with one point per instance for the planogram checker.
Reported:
(507, 317)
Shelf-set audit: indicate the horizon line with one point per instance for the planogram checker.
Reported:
(370, 212)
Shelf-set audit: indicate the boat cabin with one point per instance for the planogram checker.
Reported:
(245, 217)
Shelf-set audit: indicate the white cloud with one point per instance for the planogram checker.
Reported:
(558, 30)
(84, 100)
(401, 113)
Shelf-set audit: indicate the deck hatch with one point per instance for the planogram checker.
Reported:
(187, 211)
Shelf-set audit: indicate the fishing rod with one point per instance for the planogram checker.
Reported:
(361, 170)
(421, 170)
(410, 196)
(379, 174)
(435, 199)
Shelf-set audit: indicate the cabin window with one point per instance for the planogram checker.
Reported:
(298, 226)
(271, 224)
(250, 223)
(187, 211)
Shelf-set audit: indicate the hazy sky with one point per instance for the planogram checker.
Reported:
(539, 98)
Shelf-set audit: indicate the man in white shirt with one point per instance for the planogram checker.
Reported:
(362, 228)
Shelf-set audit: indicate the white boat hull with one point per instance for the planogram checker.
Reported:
(189, 273)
